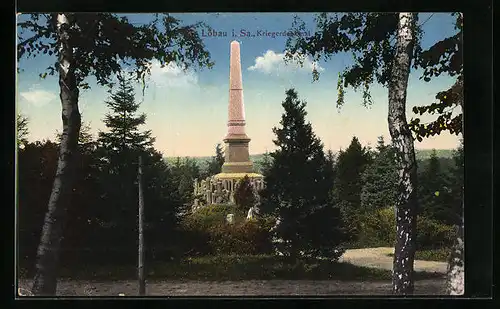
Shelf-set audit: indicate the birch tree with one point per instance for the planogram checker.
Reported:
(369, 38)
(96, 45)
(445, 58)
(402, 139)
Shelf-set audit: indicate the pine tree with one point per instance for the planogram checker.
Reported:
(266, 163)
(351, 163)
(80, 45)
(436, 191)
(457, 183)
(298, 185)
(184, 172)
(123, 121)
(215, 165)
(119, 149)
(380, 179)
(383, 46)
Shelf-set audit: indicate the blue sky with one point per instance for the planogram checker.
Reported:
(187, 111)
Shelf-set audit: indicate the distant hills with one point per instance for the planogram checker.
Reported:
(421, 154)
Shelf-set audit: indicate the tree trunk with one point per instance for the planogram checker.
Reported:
(140, 266)
(45, 281)
(406, 205)
(455, 277)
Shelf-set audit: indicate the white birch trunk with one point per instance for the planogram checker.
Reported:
(45, 281)
(406, 204)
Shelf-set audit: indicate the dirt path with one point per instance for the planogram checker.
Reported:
(240, 288)
(370, 257)
(377, 258)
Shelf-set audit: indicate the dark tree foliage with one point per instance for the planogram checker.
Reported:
(380, 179)
(349, 168)
(102, 40)
(119, 150)
(439, 193)
(84, 45)
(369, 37)
(215, 165)
(37, 163)
(245, 195)
(266, 163)
(184, 172)
(123, 137)
(351, 163)
(444, 57)
(22, 130)
(298, 185)
(457, 185)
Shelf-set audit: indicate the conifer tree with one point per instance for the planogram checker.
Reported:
(351, 163)
(79, 45)
(298, 185)
(380, 179)
(215, 165)
(435, 191)
(119, 149)
(266, 163)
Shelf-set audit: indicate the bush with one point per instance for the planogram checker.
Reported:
(244, 194)
(378, 228)
(207, 232)
(249, 237)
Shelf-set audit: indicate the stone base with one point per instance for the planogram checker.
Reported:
(237, 167)
(238, 176)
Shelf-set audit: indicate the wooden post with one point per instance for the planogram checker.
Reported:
(140, 266)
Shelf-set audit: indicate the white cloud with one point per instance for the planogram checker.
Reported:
(172, 76)
(272, 62)
(38, 97)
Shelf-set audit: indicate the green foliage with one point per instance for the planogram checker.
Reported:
(207, 232)
(244, 237)
(184, 172)
(380, 179)
(210, 215)
(244, 194)
(369, 37)
(379, 229)
(264, 163)
(349, 169)
(435, 191)
(123, 121)
(444, 57)
(104, 42)
(22, 130)
(214, 166)
(438, 255)
(298, 185)
(36, 168)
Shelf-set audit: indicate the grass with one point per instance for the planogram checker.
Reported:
(438, 255)
(235, 268)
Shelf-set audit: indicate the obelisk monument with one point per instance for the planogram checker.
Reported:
(237, 157)
(220, 188)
